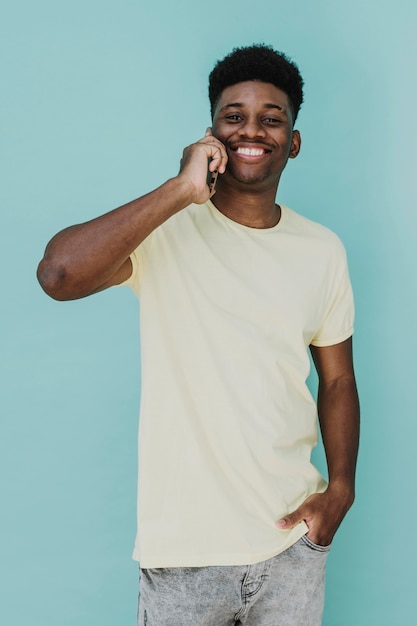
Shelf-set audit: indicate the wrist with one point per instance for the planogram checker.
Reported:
(343, 490)
(182, 188)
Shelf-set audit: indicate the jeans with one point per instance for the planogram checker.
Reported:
(286, 590)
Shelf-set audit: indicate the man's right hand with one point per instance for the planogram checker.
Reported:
(89, 257)
(207, 154)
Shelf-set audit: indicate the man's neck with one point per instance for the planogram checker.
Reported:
(257, 210)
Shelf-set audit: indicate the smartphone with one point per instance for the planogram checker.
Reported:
(211, 179)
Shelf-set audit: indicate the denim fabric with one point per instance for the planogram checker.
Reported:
(287, 590)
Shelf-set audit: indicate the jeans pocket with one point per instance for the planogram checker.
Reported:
(315, 546)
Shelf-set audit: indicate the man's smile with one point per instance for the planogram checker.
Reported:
(251, 151)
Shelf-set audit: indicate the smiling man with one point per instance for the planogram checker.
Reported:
(234, 521)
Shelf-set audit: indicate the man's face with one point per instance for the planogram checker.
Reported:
(254, 121)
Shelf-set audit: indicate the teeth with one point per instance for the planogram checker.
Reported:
(250, 151)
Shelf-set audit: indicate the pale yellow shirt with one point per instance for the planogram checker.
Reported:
(227, 423)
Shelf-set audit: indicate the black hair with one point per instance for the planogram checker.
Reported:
(257, 62)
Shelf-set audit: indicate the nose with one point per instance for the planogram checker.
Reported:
(252, 128)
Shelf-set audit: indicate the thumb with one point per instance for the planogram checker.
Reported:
(208, 132)
(291, 520)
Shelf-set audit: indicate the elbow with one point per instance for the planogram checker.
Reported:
(52, 278)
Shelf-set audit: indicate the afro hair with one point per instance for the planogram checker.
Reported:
(257, 62)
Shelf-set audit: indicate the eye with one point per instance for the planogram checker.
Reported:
(272, 120)
(234, 117)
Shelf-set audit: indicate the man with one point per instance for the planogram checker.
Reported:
(235, 523)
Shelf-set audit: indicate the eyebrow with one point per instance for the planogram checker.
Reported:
(240, 105)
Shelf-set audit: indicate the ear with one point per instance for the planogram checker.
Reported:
(295, 144)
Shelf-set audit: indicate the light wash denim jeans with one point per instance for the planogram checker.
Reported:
(287, 590)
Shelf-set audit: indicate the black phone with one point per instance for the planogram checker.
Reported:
(211, 178)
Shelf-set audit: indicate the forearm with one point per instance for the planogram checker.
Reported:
(82, 258)
(338, 409)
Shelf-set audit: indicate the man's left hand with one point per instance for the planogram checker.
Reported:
(323, 514)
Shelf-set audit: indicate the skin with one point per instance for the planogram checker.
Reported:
(250, 142)
(253, 116)
(338, 410)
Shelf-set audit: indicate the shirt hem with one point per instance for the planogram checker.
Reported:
(322, 343)
(205, 560)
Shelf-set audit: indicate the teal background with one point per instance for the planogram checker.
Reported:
(97, 101)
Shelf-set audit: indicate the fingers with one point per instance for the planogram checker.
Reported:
(291, 520)
(321, 514)
(317, 530)
(209, 152)
(200, 164)
(216, 152)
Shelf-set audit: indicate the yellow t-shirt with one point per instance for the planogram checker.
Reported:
(227, 423)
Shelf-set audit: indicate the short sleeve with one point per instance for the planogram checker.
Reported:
(337, 325)
(132, 281)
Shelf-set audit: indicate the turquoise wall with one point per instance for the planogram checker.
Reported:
(97, 101)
